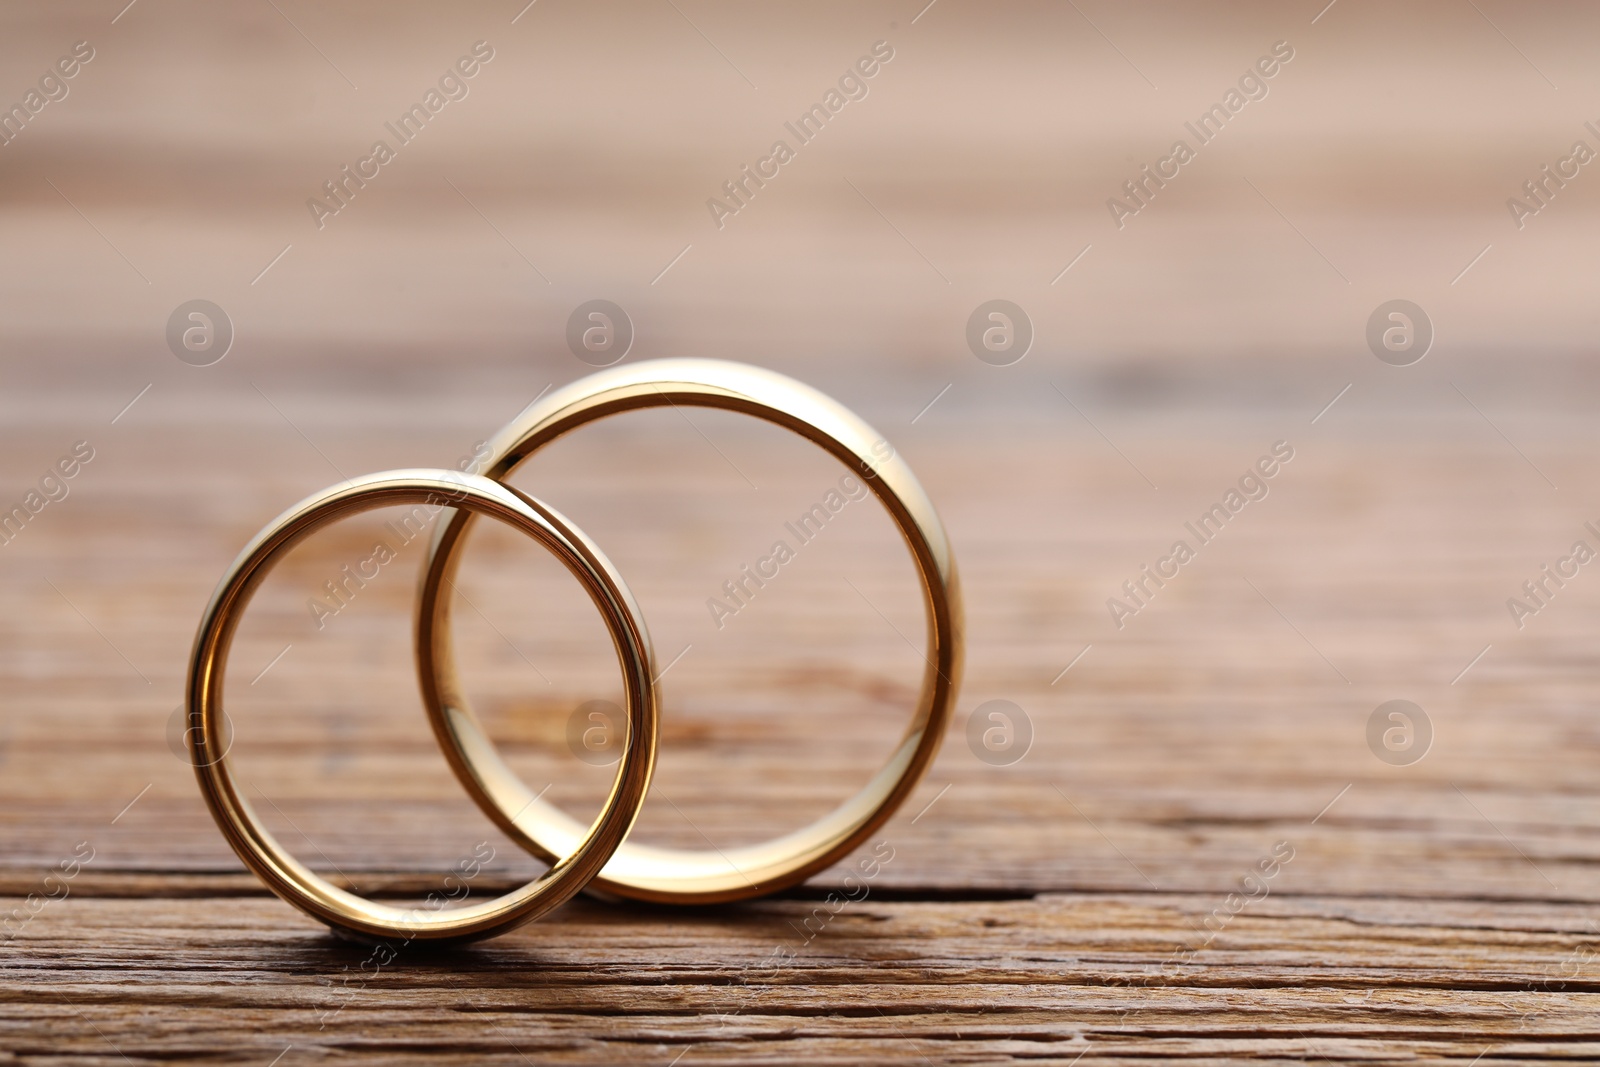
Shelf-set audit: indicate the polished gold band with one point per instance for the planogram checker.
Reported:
(700, 876)
(585, 851)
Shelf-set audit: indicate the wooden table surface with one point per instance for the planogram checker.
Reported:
(1200, 853)
(1058, 906)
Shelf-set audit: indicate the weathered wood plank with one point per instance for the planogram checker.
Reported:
(1170, 742)
(1033, 912)
(1054, 910)
(1052, 977)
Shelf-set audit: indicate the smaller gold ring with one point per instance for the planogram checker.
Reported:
(298, 884)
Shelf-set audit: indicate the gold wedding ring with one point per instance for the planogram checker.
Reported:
(583, 852)
(596, 855)
(681, 876)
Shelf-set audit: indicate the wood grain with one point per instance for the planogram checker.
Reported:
(1046, 979)
(1054, 908)
(1102, 899)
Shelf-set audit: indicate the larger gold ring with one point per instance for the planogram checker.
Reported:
(587, 850)
(681, 876)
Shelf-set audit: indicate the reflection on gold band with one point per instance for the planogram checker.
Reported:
(590, 846)
(701, 876)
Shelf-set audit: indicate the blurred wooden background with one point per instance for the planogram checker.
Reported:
(1048, 909)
